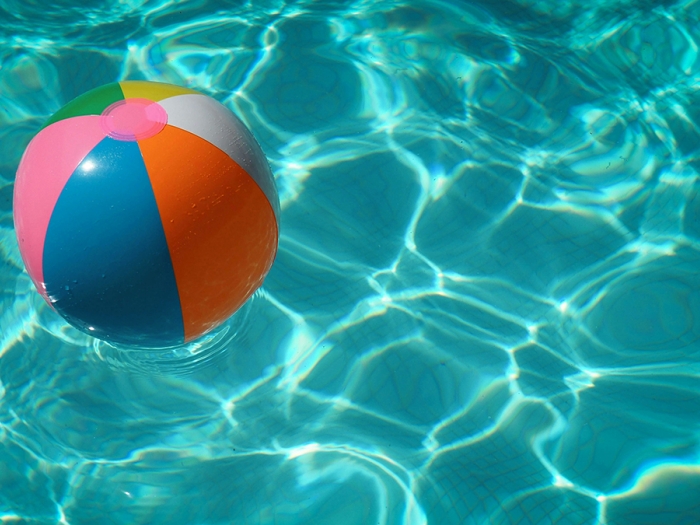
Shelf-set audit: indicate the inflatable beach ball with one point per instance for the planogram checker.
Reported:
(146, 214)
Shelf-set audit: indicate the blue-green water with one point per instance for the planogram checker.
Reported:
(486, 304)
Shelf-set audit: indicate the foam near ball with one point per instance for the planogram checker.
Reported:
(146, 213)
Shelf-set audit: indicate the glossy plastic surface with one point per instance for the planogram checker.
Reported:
(149, 219)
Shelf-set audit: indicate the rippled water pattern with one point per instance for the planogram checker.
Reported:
(486, 305)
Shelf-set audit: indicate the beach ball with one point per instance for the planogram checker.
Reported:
(146, 213)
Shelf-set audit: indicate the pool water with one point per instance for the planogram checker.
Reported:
(486, 302)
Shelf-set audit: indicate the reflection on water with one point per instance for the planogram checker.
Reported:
(485, 305)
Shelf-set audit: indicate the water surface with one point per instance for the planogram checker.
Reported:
(486, 303)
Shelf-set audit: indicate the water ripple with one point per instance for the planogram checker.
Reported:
(485, 303)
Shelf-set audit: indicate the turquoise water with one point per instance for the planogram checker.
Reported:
(486, 303)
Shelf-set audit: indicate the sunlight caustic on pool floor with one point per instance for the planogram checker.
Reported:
(485, 306)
